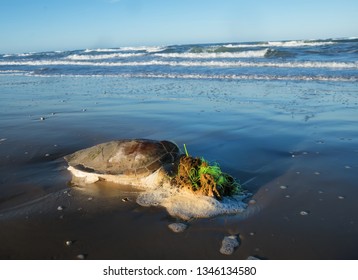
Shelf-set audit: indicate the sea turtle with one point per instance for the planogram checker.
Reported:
(137, 162)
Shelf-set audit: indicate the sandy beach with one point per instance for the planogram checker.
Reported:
(293, 144)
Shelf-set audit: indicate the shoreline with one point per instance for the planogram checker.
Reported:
(292, 144)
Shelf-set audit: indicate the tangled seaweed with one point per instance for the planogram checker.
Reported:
(197, 175)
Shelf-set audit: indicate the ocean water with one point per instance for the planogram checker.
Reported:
(320, 60)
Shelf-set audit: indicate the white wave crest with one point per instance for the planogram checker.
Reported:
(144, 48)
(203, 55)
(102, 56)
(191, 63)
(291, 44)
(284, 44)
(12, 72)
(101, 50)
(19, 54)
(235, 46)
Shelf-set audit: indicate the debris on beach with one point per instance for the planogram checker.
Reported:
(252, 201)
(253, 258)
(177, 227)
(81, 257)
(228, 244)
(304, 213)
(201, 177)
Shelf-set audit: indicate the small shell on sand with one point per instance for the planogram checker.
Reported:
(60, 208)
(252, 258)
(304, 213)
(81, 256)
(228, 245)
(68, 243)
(252, 201)
(177, 227)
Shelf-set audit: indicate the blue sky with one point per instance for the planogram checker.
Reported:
(39, 25)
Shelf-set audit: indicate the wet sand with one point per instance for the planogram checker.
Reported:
(293, 145)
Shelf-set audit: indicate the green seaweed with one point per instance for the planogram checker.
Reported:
(186, 151)
(223, 180)
(199, 175)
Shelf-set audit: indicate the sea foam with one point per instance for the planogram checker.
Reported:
(186, 205)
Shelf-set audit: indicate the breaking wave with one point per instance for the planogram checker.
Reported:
(144, 48)
(102, 56)
(284, 44)
(291, 44)
(323, 60)
(191, 63)
(204, 55)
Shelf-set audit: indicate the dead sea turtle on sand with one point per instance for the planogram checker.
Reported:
(137, 162)
(149, 164)
(160, 170)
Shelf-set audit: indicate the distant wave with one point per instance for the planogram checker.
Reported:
(19, 55)
(291, 44)
(202, 55)
(323, 60)
(13, 72)
(198, 63)
(102, 56)
(147, 49)
(284, 44)
(144, 48)
(101, 50)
